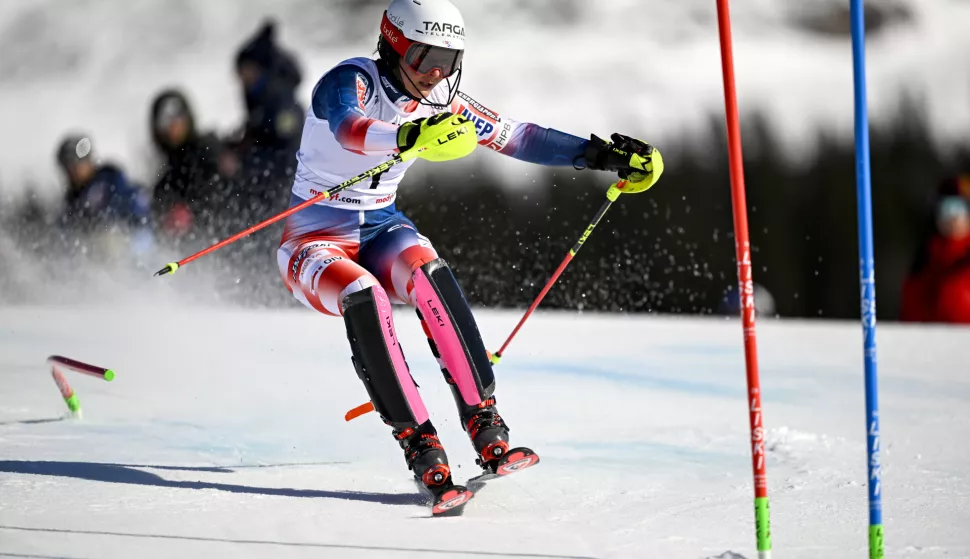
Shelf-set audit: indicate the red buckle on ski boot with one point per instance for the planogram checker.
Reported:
(494, 451)
(436, 475)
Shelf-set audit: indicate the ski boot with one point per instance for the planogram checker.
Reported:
(424, 454)
(488, 433)
(490, 437)
(427, 459)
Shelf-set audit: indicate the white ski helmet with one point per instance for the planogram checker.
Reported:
(426, 34)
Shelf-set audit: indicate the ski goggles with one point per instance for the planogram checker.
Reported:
(421, 57)
(425, 58)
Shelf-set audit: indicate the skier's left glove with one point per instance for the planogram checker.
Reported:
(636, 161)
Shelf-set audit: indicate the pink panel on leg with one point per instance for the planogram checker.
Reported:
(445, 337)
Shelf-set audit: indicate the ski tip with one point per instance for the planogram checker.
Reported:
(452, 501)
(517, 460)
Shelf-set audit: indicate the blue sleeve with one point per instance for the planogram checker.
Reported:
(336, 95)
(126, 201)
(546, 146)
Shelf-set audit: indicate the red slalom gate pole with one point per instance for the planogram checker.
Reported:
(745, 284)
(70, 397)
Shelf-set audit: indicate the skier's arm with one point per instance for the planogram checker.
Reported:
(522, 140)
(634, 160)
(339, 99)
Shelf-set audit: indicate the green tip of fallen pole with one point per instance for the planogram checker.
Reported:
(109, 375)
(876, 550)
(495, 359)
(169, 268)
(762, 520)
(73, 403)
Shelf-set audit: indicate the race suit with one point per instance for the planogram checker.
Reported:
(358, 238)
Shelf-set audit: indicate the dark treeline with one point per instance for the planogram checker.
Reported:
(671, 250)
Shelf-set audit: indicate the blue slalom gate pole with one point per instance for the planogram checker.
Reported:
(867, 278)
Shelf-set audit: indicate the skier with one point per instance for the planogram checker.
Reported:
(352, 254)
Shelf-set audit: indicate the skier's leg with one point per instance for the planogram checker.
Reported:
(321, 275)
(409, 268)
(381, 366)
(457, 343)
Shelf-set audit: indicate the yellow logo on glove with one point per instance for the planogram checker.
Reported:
(445, 140)
(652, 166)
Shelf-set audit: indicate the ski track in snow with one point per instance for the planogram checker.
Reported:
(223, 434)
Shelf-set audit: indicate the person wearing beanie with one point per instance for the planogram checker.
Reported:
(100, 202)
(193, 182)
(97, 196)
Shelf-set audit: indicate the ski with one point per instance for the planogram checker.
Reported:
(515, 460)
(447, 499)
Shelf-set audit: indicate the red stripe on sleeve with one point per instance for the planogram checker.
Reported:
(353, 132)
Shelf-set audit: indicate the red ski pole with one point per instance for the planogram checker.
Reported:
(458, 130)
(172, 267)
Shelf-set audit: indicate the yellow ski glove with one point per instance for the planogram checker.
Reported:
(636, 161)
(442, 137)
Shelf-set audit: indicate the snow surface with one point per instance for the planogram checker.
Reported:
(650, 68)
(223, 435)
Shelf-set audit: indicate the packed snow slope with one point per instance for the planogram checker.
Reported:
(223, 435)
(649, 68)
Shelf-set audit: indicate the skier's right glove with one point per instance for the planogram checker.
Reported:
(445, 136)
(634, 160)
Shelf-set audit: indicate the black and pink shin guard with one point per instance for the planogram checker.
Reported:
(379, 360)
(454, 335)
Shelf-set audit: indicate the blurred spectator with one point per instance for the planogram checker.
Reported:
(100, 205)
(269, 77)
(98, 197)
(193, 185)
(938, 289)
(270, 136)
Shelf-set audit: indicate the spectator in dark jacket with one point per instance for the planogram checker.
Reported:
(269, 77)
(194, 182)
(100, 200)
(98, 196)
